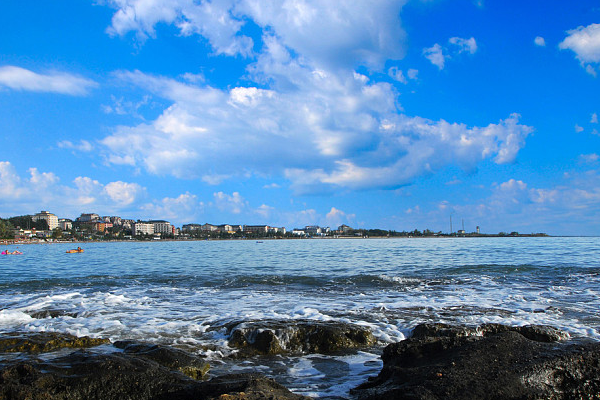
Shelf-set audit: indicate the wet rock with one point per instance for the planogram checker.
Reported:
(85, 376)
(140, 372)
(300, 337)
(189, 364)
(538, 333)
(244, 387)
(488, 362)
(42, 314)
(45, 342)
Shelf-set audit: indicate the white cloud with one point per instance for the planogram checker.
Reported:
(82, 146)
(336, 217)
(123, 193)
(182, 209)
(265, 211)
(516, 205)
(435, 55)
(464, 45)
(17, 78)
(425, 147)
(397, 75)
(215, 179)
(578, 128)
(594, 119)
(589, 158)
(233, 203)
(585, 43)
(21, 195)
(332, 33)
(438, 55)
(539, 41)
(271, 186)
(304, 113)
(330, 131)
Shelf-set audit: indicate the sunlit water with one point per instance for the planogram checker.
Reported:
(183, 293)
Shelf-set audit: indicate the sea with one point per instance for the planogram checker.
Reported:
(185, 293)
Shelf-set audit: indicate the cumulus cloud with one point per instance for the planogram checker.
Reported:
(336, 217)
(435, 55)
(19, 195)
(464, 45)
(332, 131)
(18, 78)
(438, 55)
(181, 209)
(414, 147)
(539, 41)
(233, 203)
(305, 113)
(585, 43)
(331, 33)
(398, 75)
(123, 193)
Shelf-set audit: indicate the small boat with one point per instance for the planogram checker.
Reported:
(77, 250)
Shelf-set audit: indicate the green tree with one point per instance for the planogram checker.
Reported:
(6, 229)
(57, 233)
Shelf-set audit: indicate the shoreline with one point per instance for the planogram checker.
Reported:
(11, 242)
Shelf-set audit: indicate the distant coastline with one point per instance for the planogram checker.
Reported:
(7, 242)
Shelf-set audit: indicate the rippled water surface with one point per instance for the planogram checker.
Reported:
(183, 293)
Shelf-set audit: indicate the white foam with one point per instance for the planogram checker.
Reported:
(12, 318)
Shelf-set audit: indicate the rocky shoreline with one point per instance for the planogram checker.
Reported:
(436, 362)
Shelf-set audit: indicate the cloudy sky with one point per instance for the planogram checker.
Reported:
(393, 114)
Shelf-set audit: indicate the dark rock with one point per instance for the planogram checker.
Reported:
(45, 341)
(87, 376)
(244, 387)
(189, 364)
(51, 314)
(538, 333)
(140, 372)
(488, 362)
(299, 337)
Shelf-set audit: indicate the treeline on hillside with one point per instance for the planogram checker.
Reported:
(7, 226)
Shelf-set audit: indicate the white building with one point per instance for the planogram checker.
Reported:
(312, 230)
(141, 228)
(274, 229)
(65, 224)
(50, 218)
(163, 227)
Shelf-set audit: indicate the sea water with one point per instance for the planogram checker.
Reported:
(185, 293)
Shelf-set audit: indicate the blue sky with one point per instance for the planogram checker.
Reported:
(376, 114)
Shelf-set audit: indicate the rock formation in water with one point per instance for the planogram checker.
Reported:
(436, 362)
(489, 362)
(297, 337)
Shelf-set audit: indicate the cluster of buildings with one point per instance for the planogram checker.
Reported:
(232, 229)
(96, 224)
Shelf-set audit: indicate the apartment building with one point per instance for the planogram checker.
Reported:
(50, 218)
